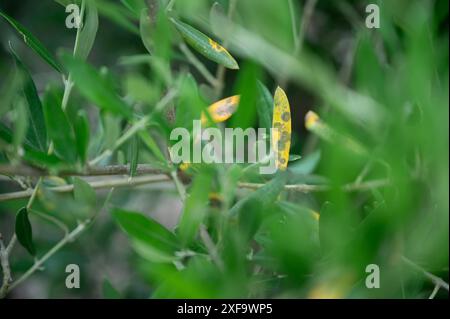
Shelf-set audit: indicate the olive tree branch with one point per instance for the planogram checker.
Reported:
(117, 182)
(25, 170)
(70, 237)
(6, 270)
(435, 279)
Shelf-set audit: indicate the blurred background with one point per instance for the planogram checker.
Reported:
(382, 98)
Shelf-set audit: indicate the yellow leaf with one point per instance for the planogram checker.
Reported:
(281, 139)
(221, 110)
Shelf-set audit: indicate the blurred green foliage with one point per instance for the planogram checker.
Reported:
(308, 232)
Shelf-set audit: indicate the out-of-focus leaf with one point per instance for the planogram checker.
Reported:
(108, 290)
(33, 42)
(307, 164)
(190, 104)
(266, 195)
(151, 239)
(59, 129)
(298, 226)
(36, 133)
(281, 139)
(24, 231)
(42, 158)
(87, 34)
(82, 133)
(246, 85)
(83, 192)
(218, 20)
(222, 110)
(195, 209)
(8, 91)
(20, 123)
(151, 144)
(117, 14)
(314, 124)
(134, 6)
(95, 87)
(264, 107)
(134, 155)
(146, 30)
(206, 46)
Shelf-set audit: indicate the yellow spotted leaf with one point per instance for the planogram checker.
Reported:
(281, 123)
(205, 45)
(222, 110)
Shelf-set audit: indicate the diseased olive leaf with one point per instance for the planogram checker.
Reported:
(82, 134)
(24, 231)
(87, 34)
(205, 45)
(59, 129)
(95, 87)
(222, 110)
(36, 133)
(281, 123)
(33, 42)
(150, 239)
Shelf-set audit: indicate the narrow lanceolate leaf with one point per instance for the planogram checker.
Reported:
(145, 30)
(314, 124)
(36, 133)
(222, 110)
(152, 240)
(59, 129)
(24, 231)
(33, 42)
(264, 107)
(94, 87)
(83, 192)
(134, 154)
(82, 134)
(264, 196)
(195, 209)
(20, 123)
(205, 46)
(86, 36)
(281, 123)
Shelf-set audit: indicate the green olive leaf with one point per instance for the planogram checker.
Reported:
(205, 45)
(33, 42)
(24, 231)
